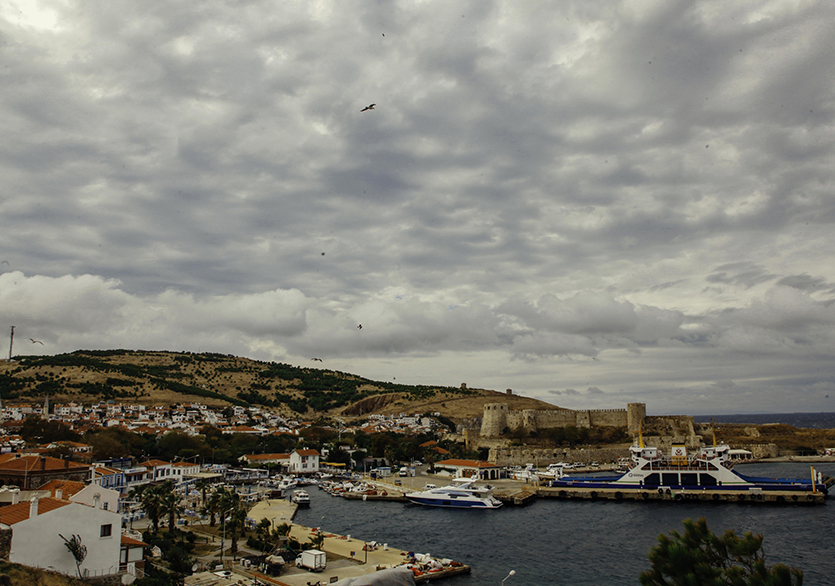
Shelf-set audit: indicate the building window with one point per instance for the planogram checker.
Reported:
(104, 505)
(106, 530)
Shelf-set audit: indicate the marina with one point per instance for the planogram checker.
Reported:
(539, 543)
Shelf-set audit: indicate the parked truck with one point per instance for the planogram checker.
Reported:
(312, 559)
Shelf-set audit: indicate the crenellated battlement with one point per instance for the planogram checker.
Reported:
(498, 417)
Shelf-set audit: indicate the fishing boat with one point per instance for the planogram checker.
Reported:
(463, 493)
(708, 468)
(301, 498)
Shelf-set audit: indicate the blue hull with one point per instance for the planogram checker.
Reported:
(767, 484)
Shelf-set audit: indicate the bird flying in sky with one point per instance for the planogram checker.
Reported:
(359, 327)
(34, 341)
(317, 359)
(369, 107)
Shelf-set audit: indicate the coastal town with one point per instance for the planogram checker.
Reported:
(112, 469)
(100, 502)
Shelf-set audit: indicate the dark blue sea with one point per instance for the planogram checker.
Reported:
(581, 543)
(800, 420)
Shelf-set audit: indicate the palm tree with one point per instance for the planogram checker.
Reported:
(77, 549)
(170, 504)
(316, 540)
(213, 505)
(237, 524)
(151, 501)
(203, 484)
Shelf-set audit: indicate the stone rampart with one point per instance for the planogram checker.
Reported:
(541, 457)
(498, 417)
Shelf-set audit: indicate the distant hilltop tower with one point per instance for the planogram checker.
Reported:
(494, 419)
(636, 413)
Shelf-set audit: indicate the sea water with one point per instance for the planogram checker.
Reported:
(581, 542)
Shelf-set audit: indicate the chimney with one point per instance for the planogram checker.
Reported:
(33, 507)
(97, 501)
(43, 463)
(66, 463)
(59, 493)
(15, 496)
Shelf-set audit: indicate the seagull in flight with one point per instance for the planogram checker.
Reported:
(359, 327)
(34, 341)
(317, 359)
(369, 107)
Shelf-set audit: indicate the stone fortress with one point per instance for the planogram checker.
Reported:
(497, 418)
(661, 431)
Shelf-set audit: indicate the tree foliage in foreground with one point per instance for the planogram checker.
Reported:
(700, 558)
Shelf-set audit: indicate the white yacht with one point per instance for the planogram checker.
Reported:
(301, 498)
(463, 493)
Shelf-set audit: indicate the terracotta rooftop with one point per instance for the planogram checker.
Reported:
(68, 487)
(468, 463)
(20, 512)
(30, 463)
(153, 463)
(268, 456)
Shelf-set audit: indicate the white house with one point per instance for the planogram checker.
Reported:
(37, 527)
(304, 461)
(182, 470)
(97, 496)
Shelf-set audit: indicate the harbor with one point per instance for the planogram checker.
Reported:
(346, 556)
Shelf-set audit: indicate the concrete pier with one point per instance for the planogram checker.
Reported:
(716, 496)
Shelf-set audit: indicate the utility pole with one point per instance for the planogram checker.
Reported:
(11, 343)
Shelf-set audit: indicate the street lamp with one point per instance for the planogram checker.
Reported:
(223, 535)
(512, 572)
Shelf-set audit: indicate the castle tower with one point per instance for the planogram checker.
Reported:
(635, 415)
(494, 420)
(529, 420)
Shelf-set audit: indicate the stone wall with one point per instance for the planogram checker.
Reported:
(5, 543)
(541, 457)
(497, 417)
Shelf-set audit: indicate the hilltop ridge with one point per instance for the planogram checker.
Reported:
(165, 378)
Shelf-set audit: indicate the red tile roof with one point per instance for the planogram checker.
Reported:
(30, 463)
(20, 512)
(466, 463)
(131, 541)
(68, 487)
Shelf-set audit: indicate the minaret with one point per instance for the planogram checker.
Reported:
(45, 414)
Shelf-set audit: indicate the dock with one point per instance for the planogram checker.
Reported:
(783, 497)
(347, 556)
(516, 497)
(358, 496)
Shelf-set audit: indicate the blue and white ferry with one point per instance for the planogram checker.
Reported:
(709, 468)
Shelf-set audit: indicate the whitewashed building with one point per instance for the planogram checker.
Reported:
(37, 527)
(304, 461)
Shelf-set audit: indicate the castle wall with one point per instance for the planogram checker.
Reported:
(541, 457)
(497, 417)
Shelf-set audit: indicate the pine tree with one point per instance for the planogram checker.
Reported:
(700, 558)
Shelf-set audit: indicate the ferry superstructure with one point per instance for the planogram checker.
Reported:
(709, 468)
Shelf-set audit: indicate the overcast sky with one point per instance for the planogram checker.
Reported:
(591, 203)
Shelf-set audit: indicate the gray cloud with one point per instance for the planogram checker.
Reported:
(634, 198)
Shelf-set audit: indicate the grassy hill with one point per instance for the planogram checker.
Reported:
(164, 378)
(17, 575)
